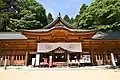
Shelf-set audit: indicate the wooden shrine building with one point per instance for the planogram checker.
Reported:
(57, 44)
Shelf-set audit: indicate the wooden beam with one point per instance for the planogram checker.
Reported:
(26, 58)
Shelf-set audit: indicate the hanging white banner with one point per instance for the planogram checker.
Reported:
(37, 59)
(33, 61)
(47, 47)
(113, 60)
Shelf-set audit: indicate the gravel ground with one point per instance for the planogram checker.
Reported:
(83, 73)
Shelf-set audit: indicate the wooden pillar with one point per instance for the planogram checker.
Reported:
(103, 52)
(103, 59)
(26, 54)
(91, 58)
(13, 55)
(22, 57)
(12, 59)
(91, 54)
(26, 58)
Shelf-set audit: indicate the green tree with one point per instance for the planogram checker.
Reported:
(82, 9)
(66, 18)
(102, 15)
(49, 18)
(72, 20)
(11, 5)
(8, 9)
(31, 16)
(2, 4)
(3, 16)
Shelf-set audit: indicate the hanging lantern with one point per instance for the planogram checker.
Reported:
(75, 56)
(62, 57)
(56, 57)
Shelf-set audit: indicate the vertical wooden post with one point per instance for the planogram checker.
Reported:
(13, 54)
(103, 59)
(91, 54)
(22, 57)
(12, 59)
(26, 54)
(26, 58)
(103, 50)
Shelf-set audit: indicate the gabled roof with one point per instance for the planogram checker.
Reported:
(59, 24)
(59, 19)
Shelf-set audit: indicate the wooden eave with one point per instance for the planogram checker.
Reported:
(62, 31)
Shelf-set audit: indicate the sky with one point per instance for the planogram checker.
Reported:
(69, 7)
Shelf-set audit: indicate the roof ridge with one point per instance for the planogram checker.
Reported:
(59, 18)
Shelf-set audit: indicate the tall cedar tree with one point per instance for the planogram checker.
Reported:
(49, 18)
(66, 18)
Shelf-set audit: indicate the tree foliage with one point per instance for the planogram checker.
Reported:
(28, 15)
(66, 18)
(3, 16)
(10, 5)
(82, 9)
(102, 15)
(50, 18)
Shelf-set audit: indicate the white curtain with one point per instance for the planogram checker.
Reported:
(47, 47)
(113, 60)
(37, 59)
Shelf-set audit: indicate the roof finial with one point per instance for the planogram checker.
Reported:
(59, 15)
